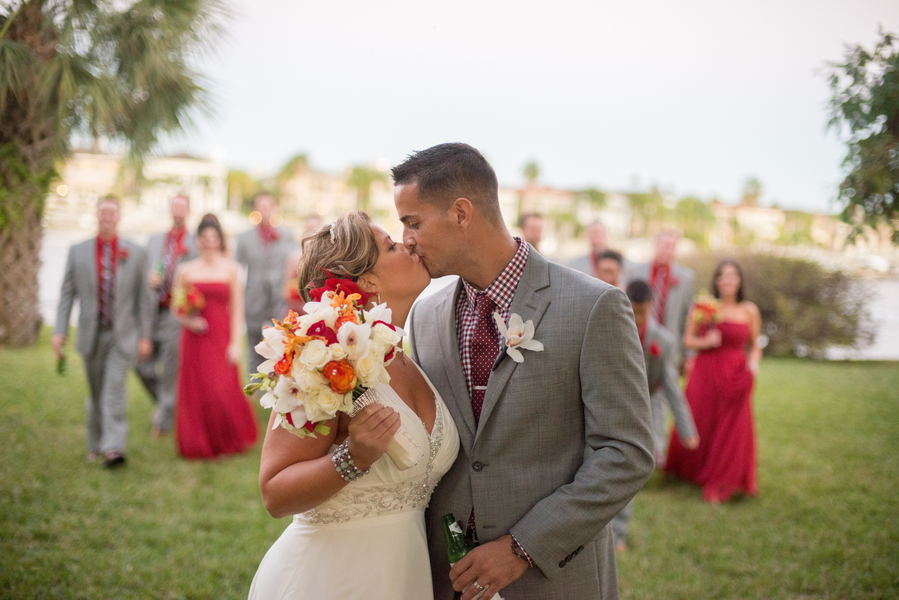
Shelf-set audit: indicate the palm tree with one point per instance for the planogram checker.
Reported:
(82, 69)
(531, 172)
(361, 178)
(695, 219)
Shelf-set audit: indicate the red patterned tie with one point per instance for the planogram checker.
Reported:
(107, 285)
(484, 348)
(659, 294)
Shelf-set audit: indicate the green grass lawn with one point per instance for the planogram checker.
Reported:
(825, 523)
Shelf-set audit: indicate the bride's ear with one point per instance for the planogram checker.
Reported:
(368, 283)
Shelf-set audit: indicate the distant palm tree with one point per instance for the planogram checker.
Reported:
(82, 69)
(531, 172)
(361, 179)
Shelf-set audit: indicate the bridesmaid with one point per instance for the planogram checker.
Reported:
(213, 417)
(719, 392)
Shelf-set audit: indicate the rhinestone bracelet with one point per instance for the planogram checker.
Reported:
(344, 463)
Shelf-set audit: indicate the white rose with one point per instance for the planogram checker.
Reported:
(315, 355)
(310, 382)
(367, 368)
(323, 405)
(337, 352)
(384, 337)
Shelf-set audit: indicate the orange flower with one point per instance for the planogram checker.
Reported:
(341, 375)
(283, 366)
(350, 318)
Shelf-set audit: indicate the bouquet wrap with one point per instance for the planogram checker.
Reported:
(402, 449)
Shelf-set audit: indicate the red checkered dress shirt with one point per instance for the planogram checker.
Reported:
(501, 291)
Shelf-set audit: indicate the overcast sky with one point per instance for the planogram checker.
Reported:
(694, 96)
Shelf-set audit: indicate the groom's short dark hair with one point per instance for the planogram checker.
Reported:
(446, 172)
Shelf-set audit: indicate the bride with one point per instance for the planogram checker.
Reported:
(363, 538)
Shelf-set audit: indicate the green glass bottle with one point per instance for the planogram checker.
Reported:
(456, 548)
(455, 539)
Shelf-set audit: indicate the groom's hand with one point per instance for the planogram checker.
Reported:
(491, 564)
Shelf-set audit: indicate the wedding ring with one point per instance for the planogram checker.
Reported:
(478, 586)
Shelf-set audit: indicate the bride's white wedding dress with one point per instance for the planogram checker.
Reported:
(368, 540)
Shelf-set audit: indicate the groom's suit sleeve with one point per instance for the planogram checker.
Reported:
(618, 435)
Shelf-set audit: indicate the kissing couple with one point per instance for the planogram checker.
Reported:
(533, 447)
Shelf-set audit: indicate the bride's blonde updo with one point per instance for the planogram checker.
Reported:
(345, 248)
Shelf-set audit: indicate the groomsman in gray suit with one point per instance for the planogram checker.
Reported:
(588, 264)
(554, 441)
(107, 276)
(672, 288)
(660, 354)
(159, 371)
(263, 250)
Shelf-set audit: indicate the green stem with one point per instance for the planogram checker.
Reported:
(9, 20)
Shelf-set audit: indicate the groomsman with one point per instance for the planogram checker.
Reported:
(263, 250)
(596, 235)
(107, 276)
(159, 371)
(672, 288)
(660, 356)
(608, 267)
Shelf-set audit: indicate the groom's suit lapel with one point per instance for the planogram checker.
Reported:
(452, 363)
(530, 305)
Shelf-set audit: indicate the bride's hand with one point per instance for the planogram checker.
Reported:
(370, 431)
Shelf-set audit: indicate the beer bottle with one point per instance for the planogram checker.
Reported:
(457, 548)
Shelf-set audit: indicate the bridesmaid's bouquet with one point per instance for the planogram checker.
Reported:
(706, 312)
(326, 361)
(187, 302)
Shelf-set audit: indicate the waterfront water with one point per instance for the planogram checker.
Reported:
(884, 305)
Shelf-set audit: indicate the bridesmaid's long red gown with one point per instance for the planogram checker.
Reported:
(213, 416)
(720, 395)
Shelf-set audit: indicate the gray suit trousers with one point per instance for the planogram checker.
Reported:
(107, 370)
(159, 372)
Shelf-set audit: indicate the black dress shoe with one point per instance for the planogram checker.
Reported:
(113, 460)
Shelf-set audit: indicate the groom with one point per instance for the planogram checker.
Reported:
(551, 447)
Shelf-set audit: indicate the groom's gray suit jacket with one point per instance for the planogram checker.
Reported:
(564, 440)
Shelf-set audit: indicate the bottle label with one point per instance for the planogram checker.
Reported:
(455, 528)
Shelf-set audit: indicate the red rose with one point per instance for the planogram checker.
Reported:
(392, 328)
(389, 356)
(341, 375)
(655, 349)
(309, 426)
(338, 285)
(283, 366)
(123, 253)
(322, 330)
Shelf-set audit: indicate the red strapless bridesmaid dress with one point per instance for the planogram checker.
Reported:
(213, 417)
(719, 392)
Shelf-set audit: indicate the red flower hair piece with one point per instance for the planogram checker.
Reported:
(338, 285)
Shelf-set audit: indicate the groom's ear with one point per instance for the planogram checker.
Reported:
(461, 212)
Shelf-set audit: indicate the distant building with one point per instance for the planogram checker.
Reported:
(88, 176)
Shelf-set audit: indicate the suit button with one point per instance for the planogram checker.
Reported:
(478, 466)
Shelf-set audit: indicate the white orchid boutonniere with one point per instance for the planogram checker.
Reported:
(518, 336)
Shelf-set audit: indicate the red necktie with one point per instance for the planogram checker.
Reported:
(484, 348)
(659, 294)
(107, 289)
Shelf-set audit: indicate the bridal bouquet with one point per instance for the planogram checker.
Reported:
(706, 312)
(327, 361)
(187, 302)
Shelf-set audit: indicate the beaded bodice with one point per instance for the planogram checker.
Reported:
(387, 490)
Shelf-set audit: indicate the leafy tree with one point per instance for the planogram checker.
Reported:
(797, 227)
(531, 172)
(752, 191)
(646, 210)
(241, 189)
(596, 198)
(695, 219)
(82, 69)
(361, 178)
(866, 103)
(805, 309)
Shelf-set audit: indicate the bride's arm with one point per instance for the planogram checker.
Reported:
(754, 355)
(297, 474)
